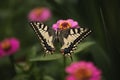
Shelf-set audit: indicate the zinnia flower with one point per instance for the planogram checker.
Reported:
(65, 24)
(9, 46)
(39, 14)
(83, 71)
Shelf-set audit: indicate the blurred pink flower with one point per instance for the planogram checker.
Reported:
(83, 71)
(9, 46)
(65, 24)
(39, 14)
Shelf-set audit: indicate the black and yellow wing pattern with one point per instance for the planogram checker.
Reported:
(73, 38)
(44, 36)
(69, 38)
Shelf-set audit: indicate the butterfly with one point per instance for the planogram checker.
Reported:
(68, 38)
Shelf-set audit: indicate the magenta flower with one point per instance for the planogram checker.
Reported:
(9, 46)
(39, 14)
(83, 71)
(65, 24)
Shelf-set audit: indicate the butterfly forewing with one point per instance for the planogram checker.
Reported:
(69, 38)
(44, 35)
(75, 36)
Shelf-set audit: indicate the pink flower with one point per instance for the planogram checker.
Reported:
(9, 46)
(83, 71)
(39, 14)
(65, 24)
(70, 77)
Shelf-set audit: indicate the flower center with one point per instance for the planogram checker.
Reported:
(83, 74)
(38, 12)
(5, 45)
(64, 25)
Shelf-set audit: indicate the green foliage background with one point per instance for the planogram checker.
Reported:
(102, 47)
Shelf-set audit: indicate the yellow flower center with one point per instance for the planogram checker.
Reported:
(83, 74)
(64, 25)
(5, 45)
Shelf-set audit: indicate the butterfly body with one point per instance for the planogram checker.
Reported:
(69, 38)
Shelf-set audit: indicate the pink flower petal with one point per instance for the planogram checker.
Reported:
(73, 24)
(72, 69)
(14, 47)
(55, 26)
(44, 14)
(70, 77)
(59, 21)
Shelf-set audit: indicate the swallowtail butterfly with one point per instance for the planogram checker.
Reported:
(68, 38)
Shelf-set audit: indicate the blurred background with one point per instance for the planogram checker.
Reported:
(102, 47)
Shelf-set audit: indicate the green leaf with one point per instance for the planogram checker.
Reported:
(21, 77)
(81, 47)
(84, 46)
(32, 52)
(102, 59)
(47, 57)
(100, 56)
(48, 78)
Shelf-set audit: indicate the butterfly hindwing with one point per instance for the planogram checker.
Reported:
(69, 38)
(74, 36)
(45, 36)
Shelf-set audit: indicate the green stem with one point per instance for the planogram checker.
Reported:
(11, 57)
(64, 66)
